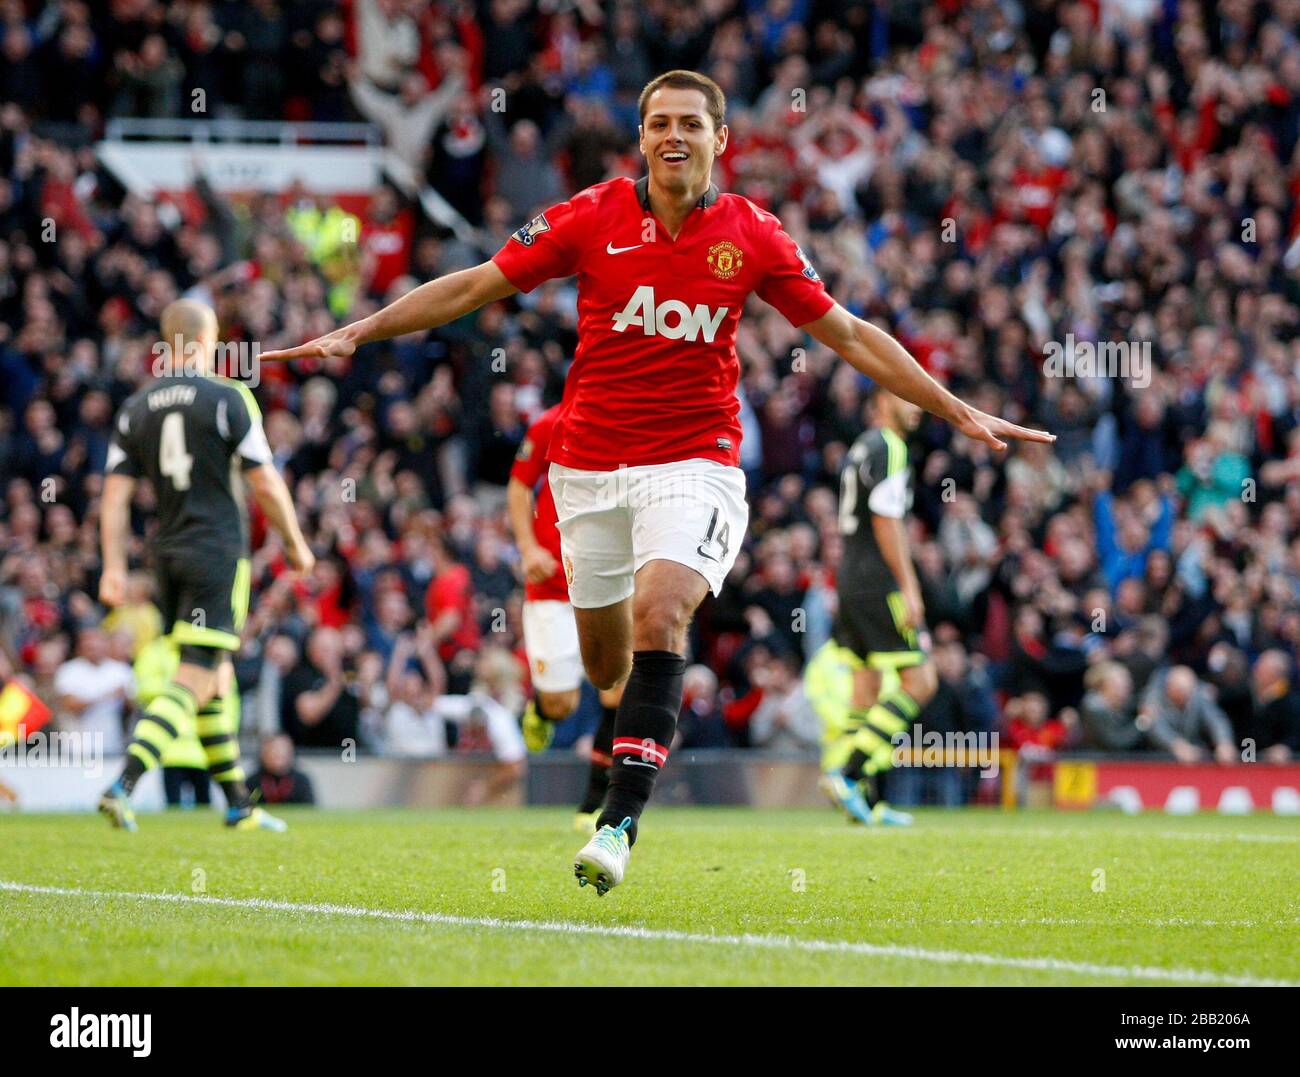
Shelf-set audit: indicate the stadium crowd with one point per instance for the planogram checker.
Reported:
(986, 179)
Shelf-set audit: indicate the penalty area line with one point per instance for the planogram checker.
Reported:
(748, 941)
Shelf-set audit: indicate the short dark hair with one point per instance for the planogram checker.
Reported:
(715, 101)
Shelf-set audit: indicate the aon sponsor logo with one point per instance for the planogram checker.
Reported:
(672, 318)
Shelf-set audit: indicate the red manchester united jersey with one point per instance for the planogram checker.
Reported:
(529, 468)
(654, 376)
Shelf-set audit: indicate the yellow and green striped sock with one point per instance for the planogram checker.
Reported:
(873, 749)
(221, 748)
(169, 714)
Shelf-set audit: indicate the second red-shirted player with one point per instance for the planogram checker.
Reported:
(550, 630)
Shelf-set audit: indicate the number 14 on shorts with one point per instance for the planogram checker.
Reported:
(716, 543)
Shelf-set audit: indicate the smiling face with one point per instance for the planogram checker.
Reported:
(679, 139)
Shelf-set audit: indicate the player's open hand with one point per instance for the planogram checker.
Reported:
(991, 430)
(336, 345)
(112, 587)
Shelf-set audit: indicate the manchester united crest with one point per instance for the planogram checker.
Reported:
(568, 571)
(725, 259)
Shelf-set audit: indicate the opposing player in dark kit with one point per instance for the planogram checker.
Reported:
(880, 617)
(197, 438)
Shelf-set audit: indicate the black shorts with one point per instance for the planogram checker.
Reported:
(203, 598)
(874, 627)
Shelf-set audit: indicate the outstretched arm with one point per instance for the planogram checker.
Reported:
(436, 303)
(881, 358)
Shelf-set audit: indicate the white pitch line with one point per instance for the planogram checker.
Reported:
(1054, 921)
(763, 942)
(1265, 838)
(1046, 832)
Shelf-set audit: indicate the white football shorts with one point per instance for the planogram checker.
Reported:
(613, 522)
(551, 640)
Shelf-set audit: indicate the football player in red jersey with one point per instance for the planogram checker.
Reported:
(650, 500)
(550, 630)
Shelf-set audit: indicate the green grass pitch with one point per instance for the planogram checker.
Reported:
(713, 896)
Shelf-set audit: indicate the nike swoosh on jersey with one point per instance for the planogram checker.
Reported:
(611, 249)
(637, 763)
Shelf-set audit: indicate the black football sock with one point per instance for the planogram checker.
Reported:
(602, 747)
(236, 795)
(856, 764)
(643, 731)
(131, 773)
(860, 770)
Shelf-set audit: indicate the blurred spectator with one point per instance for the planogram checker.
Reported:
(487, 718)
(1141, 650)
(410, 118)
(149, 81)
(1180, 717)
(700, 723)
(388, 41)
(1213, 474)
(277, 780)
(412, 725)
(1032, 732)
(260, 43)
(964, 700)
(1277, 715)
(92, 691)
(1128, 531)
(780, 597)
(784, 719)
(1108, 712)
(1228, 674)
(968, 544)
(319, 708)
(526, 175)
(449, 607)
(392, 618)
(493, 451)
